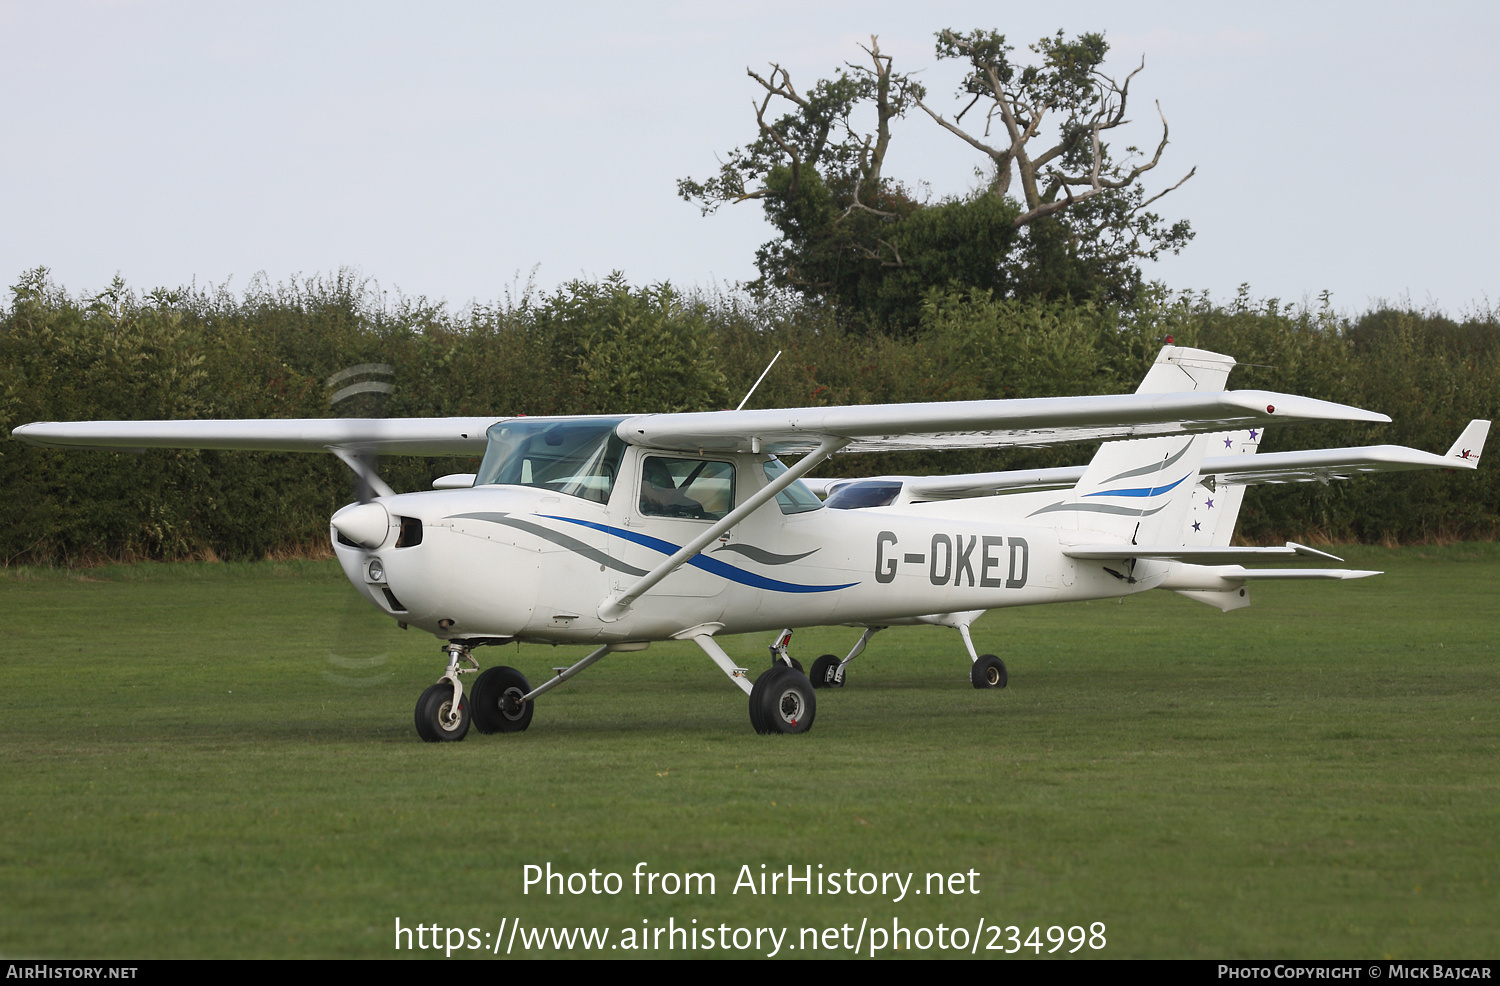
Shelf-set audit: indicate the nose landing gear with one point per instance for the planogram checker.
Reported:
(442, 713)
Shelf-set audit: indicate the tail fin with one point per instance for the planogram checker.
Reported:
(1140, 490)
(1215, 507)
(1471, 443)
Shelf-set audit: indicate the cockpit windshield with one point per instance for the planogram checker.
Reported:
(579, 457)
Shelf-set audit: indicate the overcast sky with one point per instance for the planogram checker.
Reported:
(447, 149)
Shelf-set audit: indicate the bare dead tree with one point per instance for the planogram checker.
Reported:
(1087, 102)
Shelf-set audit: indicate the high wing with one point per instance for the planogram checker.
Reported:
(395, 436)
(979, 424)
(1320, 465)
(874, 427)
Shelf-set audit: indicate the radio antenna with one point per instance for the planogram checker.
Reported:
(759, 379)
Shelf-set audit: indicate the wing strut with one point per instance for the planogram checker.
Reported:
(362, 469)
(614, 607)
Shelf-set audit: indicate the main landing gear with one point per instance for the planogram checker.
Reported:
(781, 700)
(988, 672)
(497, 701)
(779, 655)
(828, 670)
(985, 671)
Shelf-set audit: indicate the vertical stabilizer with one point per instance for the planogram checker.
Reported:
(1470, 444)
(1216, 504)
(1140, 490)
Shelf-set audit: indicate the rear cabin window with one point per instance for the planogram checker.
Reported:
(871, 493)
(700, 489)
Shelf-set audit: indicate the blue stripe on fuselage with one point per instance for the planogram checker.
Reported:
(710, 565)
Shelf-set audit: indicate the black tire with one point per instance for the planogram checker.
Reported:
(786, 703)
(825, 672)
(432, 712)
(756, 719)
(494, 701)
(988, 672)
(796, 665)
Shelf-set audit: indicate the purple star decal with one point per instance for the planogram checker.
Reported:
(1228, 442)
(1210, 504)
(1252, 434)
(1197, 526)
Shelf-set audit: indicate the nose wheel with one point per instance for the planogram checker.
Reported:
(438, 721)
(442, 711)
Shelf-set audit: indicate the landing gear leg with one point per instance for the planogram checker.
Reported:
(442, 716)
(986, 671)
(828, 670)
(779, 653)
(781, 700)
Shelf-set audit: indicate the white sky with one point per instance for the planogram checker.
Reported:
(445, 149)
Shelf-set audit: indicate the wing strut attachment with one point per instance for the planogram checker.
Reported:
(614, 607)
(363, 470)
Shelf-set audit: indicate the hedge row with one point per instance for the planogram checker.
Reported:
(595, 347)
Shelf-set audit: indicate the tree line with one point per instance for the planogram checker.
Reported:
(609, 347)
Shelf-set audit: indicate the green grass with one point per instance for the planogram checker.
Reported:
(219, 760)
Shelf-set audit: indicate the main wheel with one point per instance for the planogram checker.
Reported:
(825, 672)
(496, 701)
(796, 665)
(756, 719)
(988, 672)
(785, 702)
(433, 709)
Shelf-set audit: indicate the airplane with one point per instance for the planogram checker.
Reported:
(1222, 478)
(624, 530)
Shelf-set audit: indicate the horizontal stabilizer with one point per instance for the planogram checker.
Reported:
(1226, 578)
(1205, 555)
(1235, 572)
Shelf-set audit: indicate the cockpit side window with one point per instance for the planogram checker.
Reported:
(578, 457)
(702, 489)
(796, 498)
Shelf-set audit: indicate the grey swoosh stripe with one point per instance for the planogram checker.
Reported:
(561, 540)
(763, 556)
(1099, 508)
(1154, 467)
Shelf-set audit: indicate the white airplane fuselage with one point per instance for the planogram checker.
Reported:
(526, 563)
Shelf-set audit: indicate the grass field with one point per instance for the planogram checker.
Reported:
(219, 760)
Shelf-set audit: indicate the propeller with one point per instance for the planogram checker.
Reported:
(357, 657)
(362, 399)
